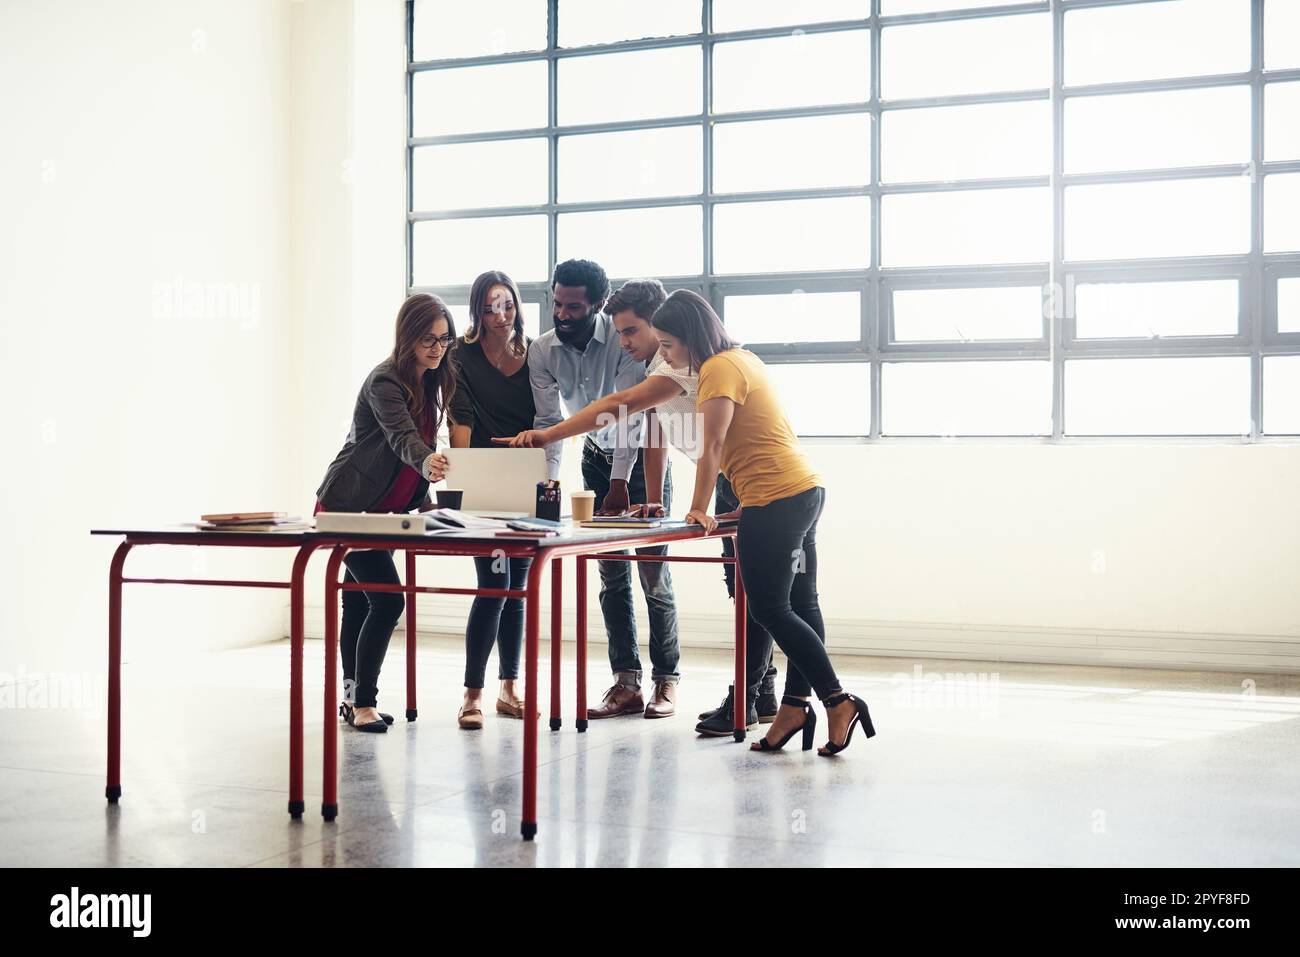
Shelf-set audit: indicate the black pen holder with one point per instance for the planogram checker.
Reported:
(548, 500)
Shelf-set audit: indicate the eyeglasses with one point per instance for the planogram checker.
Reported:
(442, 342)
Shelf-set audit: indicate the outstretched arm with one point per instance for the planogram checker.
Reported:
(602, 412)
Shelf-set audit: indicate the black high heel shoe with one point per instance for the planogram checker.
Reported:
(348, 714)
(862, 716)
(809, 727)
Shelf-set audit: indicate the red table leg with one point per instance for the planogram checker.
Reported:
(580, 712)
(411, 711)
(296, 586)
(557, 606)
(532, 617)
(329, 807)
(113, 785)
(742, 679)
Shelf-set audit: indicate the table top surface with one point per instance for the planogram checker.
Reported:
(568, 535)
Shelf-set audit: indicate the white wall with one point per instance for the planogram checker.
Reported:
(349, 214)
(1172, 554)
(145, 294)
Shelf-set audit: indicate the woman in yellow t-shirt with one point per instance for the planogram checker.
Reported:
(747, 437)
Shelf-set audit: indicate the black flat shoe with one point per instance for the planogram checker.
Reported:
(809, 728)
(862, 716)
(387, 718)
(375, 727)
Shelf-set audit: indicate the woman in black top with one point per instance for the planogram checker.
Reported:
(493, 397)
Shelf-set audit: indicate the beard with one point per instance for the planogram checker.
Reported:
(577, 330)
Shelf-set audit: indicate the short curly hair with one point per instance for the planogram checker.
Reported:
(642, 296)
(585, 273)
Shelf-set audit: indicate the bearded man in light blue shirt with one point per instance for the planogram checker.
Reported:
(579, 361)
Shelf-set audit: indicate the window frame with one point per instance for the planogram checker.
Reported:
(1256, 272)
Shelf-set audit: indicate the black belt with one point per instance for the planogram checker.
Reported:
(589, 445)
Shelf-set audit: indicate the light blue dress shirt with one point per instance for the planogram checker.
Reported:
(559, 371)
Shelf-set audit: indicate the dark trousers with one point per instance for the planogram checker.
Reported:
(778, 564)
(496, 621)
(616, 582)
(758, 643)
(368, 622)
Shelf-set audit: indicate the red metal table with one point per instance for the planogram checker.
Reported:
(134, 538)
(584, 545)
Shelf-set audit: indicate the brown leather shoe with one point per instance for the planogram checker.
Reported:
(663, 704)
(618, 700)
(513, 710)
(471, 720)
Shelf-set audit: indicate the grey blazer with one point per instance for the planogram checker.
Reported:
(382, 439)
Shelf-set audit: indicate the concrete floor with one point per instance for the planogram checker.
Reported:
(1026, 765)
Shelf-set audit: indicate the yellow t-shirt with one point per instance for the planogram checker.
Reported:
(760, 455)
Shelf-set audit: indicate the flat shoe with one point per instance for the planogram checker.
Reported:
(511, 710)
(344, 708)
(471, 720)
(374, 727)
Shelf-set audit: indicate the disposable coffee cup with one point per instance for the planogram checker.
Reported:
(584, 505)
(450, 497)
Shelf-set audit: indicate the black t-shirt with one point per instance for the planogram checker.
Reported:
(491, 404)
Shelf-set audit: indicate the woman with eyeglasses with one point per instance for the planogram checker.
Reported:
(493, 397)
(386, 465)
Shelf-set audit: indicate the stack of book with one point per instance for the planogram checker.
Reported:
(252, 522)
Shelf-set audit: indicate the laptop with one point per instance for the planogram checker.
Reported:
(498, 483)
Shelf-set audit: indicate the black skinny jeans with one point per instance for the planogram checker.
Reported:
(778, 564)
(760, 672)
(496, 621)
(368, 622)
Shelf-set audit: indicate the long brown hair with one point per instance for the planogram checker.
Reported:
(478, 303)
(424, 391)
(688, 316)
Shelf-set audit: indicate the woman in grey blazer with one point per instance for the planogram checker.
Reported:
(386, 465)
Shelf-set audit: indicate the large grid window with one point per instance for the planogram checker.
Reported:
(934, 217)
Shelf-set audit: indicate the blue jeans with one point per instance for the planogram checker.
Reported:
(616, 584)
(496, 621)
